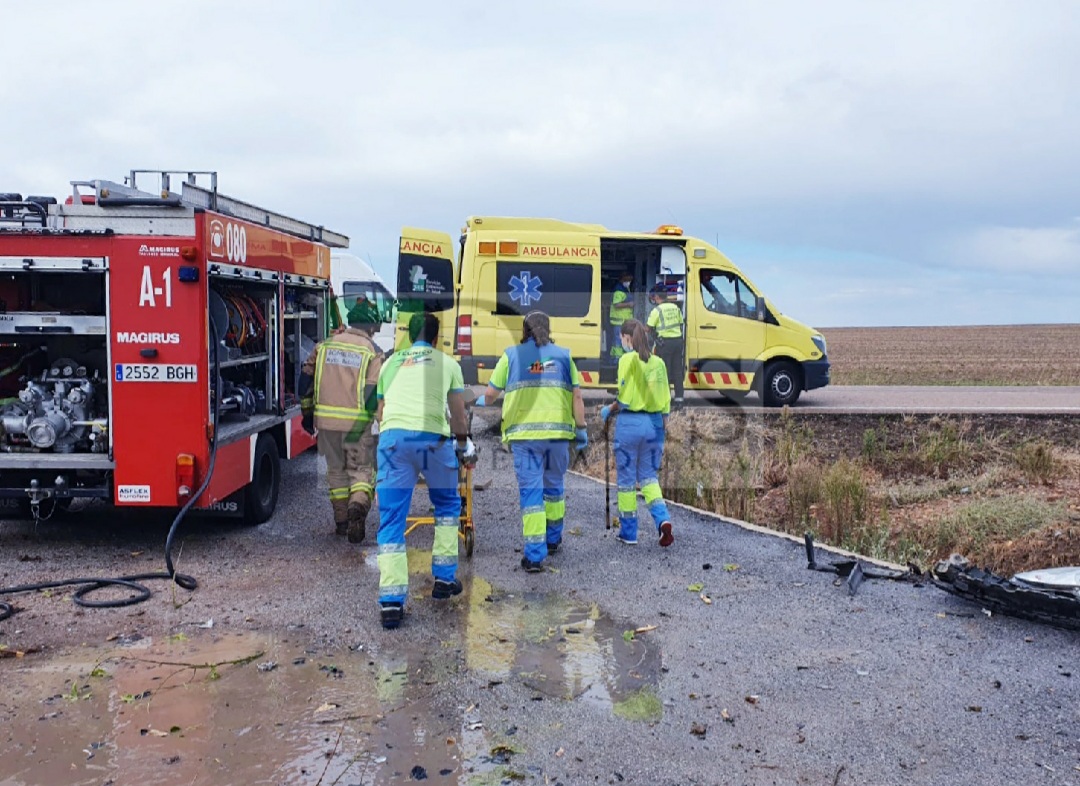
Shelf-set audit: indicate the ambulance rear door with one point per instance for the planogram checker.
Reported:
(426, 282)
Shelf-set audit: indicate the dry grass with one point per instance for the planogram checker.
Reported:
(1002, 490)
(983, 355)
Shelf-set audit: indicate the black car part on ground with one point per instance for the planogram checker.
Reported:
(1013, 597)
(853, 570)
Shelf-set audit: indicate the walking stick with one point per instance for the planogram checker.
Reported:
(607, 474)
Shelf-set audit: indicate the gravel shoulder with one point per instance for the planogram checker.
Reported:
(784, 677)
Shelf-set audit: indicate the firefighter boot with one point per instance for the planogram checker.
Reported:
(358, 513)
(341, 515)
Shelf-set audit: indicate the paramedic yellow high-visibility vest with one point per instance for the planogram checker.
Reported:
(616, 316)
(539, 384)
(666, 320)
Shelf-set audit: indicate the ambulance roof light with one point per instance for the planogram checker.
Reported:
(668, 229)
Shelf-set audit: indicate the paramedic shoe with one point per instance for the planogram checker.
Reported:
(341, 527)
(553, 547)
(626, 540)
(391, 614)
(666, 538)
(358, 514)
(446, 589)
(532, 567)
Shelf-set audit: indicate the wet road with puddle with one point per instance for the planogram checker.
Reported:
(247, 708)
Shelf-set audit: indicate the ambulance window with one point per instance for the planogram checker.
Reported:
(718, 292)
(425, 283)
(557, 289)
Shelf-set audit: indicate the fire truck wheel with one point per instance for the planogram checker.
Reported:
(262, 492)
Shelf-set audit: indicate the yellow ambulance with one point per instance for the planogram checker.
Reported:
(736, 340)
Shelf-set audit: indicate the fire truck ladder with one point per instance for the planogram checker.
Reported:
(192, 195)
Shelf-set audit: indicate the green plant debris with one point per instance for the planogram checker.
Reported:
(628, 636)
(695, 588)
(731, 567)
(643, 705)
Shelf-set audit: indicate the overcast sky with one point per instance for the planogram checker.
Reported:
(907, 163)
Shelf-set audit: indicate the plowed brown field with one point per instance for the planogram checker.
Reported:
(968, 355)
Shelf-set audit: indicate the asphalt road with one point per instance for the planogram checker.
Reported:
(782, 679)
(841, 399)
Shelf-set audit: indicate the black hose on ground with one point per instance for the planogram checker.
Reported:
(140, 591)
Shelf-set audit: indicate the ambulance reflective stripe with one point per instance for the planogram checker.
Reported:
(723, 378)
(350, 356)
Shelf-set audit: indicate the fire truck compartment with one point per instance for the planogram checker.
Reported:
(54, 361)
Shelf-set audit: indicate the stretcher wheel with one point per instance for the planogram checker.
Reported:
(467, 534)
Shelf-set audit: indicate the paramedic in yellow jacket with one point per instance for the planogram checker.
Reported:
(543, 413)
(338, 384)
(641, 412)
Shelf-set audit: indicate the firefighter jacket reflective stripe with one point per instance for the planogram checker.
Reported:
(666, 319)
(346, 371)
(539, 384)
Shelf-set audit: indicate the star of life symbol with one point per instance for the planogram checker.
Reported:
(525, 288)
(418, 278)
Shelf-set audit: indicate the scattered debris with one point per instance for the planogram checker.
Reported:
(695, 588)
(326, 707)
(731, 567)
(269, 665)
(726, 716)
(699, 729)
(706, 599)
(418, 773)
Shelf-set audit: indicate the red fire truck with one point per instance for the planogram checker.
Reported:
(145, 334)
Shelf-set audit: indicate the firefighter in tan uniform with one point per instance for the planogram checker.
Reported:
(338, 383)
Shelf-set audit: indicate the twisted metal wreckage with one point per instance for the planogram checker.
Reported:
(1050, 596)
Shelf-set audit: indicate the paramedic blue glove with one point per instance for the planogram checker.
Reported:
(605, 413)
(481, 401)
(581, 439)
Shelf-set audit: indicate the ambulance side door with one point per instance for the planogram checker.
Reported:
(724, 334)
(426, 281)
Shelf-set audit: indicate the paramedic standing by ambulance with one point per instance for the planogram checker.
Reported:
(416, 387)
(666, 323)
(622, 309)
(542, 414)
(641, 411)
(338, 384)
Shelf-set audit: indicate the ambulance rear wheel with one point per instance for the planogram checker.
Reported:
(261, 494)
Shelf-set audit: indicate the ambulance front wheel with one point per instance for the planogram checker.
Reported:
(261, 494)
(781, 385)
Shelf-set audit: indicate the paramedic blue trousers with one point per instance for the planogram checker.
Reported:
(540, 466)
(639, 449)
(402, 456)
